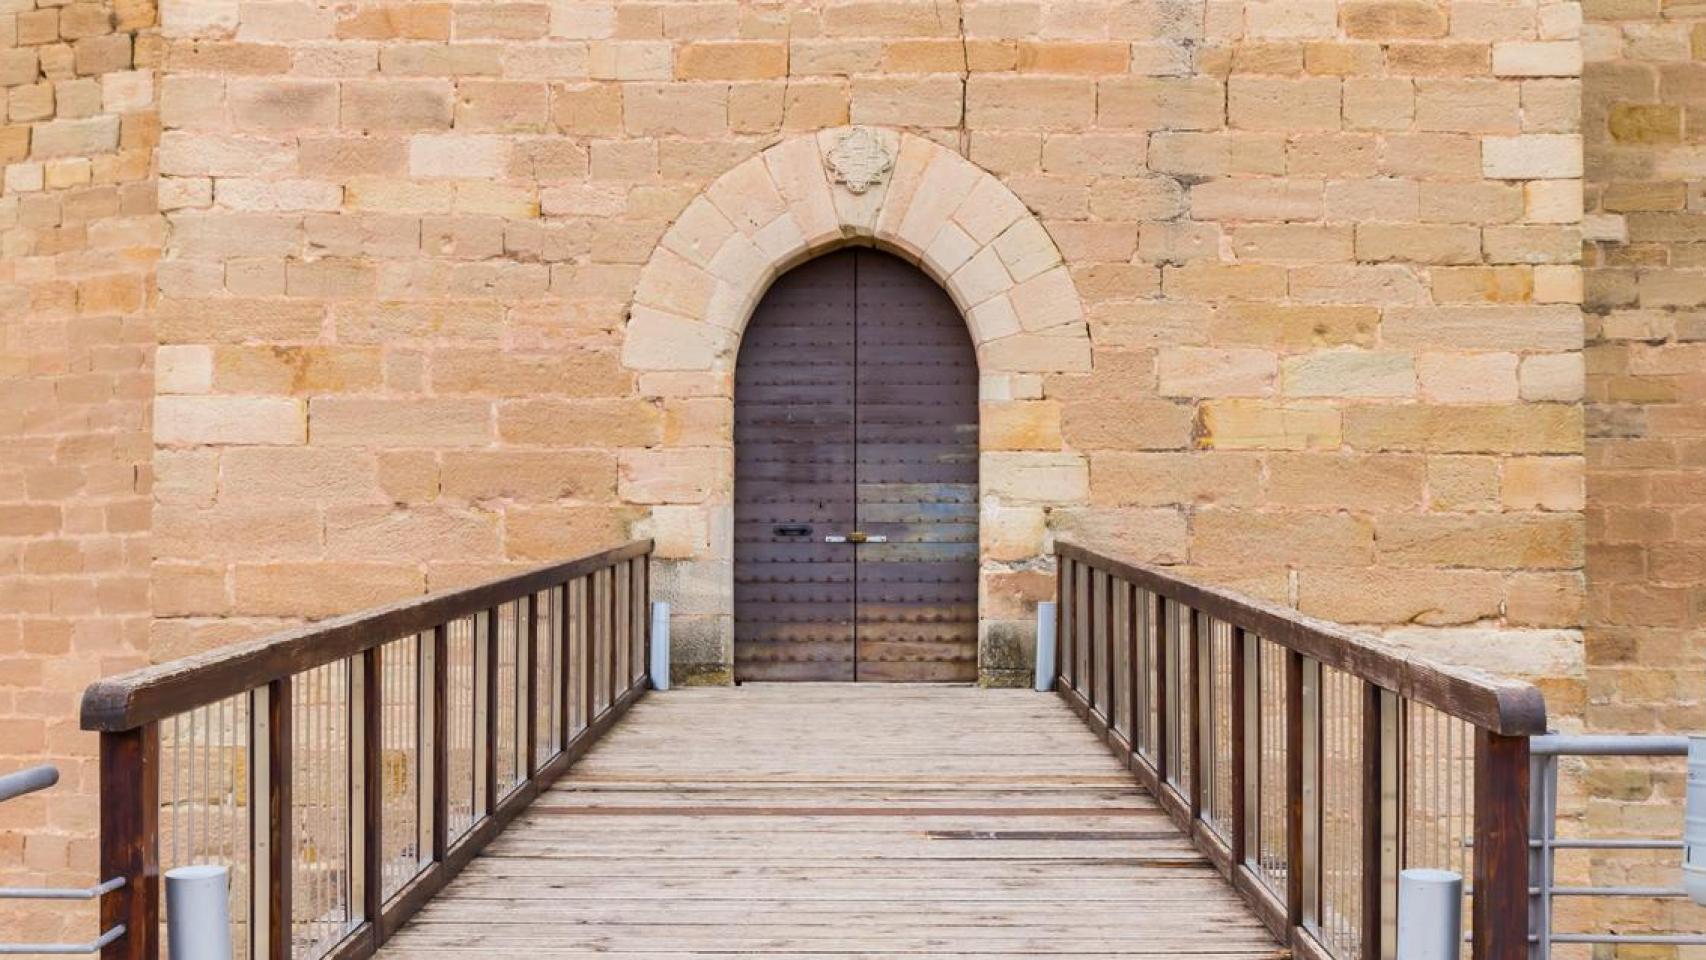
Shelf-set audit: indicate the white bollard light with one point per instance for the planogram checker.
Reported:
(198, 913)
(1694, 823)
(660, 645)
(1430, 914)
(1045, 646)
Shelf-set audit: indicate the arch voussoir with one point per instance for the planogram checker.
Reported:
(807, 195)
(957, 221)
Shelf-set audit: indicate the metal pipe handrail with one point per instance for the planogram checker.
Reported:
(31, 780)
(62, 893)
(28, 780)
(1544, 841)
(1607, 745)
(62, 949)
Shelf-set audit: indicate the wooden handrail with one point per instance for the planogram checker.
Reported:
(1308, 762)
(141, 696)
(388, 747)
(1503, 706)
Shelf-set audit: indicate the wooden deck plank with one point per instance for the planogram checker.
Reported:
(841, 821)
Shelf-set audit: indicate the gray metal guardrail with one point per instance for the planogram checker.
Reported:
(1545, 843)
(22, 783)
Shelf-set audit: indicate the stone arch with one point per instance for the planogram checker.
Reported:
(796, 200)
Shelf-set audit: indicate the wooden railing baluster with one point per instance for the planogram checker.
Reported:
(488, 714)
(1295, 853)
(531, 763)
(1238, 731)
(610, 641)
(1374, 823)
(645, 611)
(1106, 675)
(565, 657)
(260, 677)
(1163, 697)
(1195, 649)
(1134, 672)
(1500, 912)
(1063, 654)
(1344, 699)
(280, 840)
(440, 742)
(130, 815)
(372, 813)
(589, 662)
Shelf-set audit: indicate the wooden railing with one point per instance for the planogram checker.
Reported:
(347, 770)
(1310, 763)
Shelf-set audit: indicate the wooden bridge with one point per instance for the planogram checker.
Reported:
(480, 773)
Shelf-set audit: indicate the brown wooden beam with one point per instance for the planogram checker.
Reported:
(1509, 707)
(1239, 727)
(130, 838)
(1294, 852)
(373, 783)
(281, 839)
(530, 763)
(1500, 909)
(152, 693)
(440, 742)
(489, 718)
(1373, 821)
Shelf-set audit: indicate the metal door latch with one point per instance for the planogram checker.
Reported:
(857, 536)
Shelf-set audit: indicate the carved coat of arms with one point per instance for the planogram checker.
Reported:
(859, 161)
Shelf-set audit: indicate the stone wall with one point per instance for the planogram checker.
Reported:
(79, 236)
(1646, 431)
(1646, 285)
(1327, 253)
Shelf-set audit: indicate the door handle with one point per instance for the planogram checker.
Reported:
(857, 536)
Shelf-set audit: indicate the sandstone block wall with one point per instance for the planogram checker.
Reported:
(79, 236)
(1646, 286)
(1328, 256)
(1646, 433)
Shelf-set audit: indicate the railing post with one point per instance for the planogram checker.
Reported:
(1196, 645)
(488, 717)
(612, 637)
(280, 838)
(589, 660)
(1163, 697)
(372, 850)
(1239, 753)
(530, 764)
(1294, 846)
(1136, 629)
(440, 742)
(644, 611)
(130, 841)
(1107, 680)
(1375, 819)
(1063, 653)
(1309, 867)
(1500, 908)
(565, 643)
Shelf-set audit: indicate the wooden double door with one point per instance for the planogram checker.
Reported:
(856, 543)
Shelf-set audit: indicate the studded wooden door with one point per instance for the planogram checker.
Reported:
(856, 420)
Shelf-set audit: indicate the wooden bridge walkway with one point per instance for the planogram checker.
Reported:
(838, 821)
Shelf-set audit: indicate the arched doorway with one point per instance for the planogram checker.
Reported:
(856, 478)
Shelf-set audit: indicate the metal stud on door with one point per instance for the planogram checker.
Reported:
(917, 468)
(856, 478)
